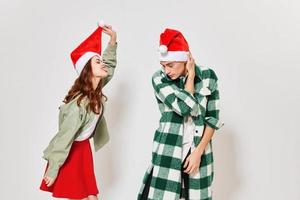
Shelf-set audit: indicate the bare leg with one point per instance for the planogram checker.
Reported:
(92, 197)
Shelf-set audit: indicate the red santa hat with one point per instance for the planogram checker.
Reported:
(173, 46)
(89, 48)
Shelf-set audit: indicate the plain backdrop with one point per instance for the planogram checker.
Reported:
(253, 46)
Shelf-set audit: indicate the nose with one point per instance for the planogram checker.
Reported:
(167, 71)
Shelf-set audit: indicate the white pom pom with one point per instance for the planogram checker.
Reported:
(101, 23)
(163, 49)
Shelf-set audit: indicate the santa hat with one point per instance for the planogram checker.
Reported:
(89, 48)
(173, 46)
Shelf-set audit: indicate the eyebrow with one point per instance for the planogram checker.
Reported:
(168, 63)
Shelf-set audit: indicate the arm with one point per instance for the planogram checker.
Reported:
(64, 139)
(211, 119)
(179, 100)
(212, 113)
(109, 55)
(212, 123)
(190, 66)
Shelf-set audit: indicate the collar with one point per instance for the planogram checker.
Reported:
(198, 72)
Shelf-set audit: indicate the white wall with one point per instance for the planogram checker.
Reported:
(252, 45)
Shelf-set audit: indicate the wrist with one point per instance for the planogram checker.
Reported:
(191, 76)
(199, 150)
(113, 39)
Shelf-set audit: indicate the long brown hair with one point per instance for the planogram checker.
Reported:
(83, 87)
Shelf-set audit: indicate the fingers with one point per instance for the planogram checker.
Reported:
(190, 56)
(188, 169)
(107, 27)
(46, 179)
(186, 162)
(192, 169)
(49, 181)
(195, 170)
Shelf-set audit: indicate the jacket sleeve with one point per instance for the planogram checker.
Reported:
(213, 110)
(110, 59)
(68, 128)
(178, 100)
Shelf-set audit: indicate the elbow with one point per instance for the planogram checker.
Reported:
(214, 122)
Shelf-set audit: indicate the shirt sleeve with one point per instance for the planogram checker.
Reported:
(179, 100)
(110, 59)
(71, 123)
(213, 110)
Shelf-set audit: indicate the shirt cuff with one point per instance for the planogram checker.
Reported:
(52, 171)
(213, 122)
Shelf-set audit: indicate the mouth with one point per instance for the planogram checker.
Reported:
(104, 69)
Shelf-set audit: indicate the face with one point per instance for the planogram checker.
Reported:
(99, 69)
(174, 69)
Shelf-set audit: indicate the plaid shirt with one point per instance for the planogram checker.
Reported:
(175, 103)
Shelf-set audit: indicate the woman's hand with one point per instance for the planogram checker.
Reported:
(49, 181)
(190, 66)
(192, 163)
(107, 29)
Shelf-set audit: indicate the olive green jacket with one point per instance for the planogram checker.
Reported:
(73, 119)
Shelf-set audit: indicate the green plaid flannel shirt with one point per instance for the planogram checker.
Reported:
(175, 103)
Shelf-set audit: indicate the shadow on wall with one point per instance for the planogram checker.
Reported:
(226, 180)
(106, 164)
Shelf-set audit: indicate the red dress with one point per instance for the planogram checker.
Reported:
(76, 178)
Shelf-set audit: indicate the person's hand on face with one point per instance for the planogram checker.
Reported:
(190, 65)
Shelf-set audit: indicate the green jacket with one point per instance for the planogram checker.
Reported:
(73, 119)
(175, 103)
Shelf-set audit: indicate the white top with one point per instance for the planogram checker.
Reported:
(85, 134)
(189, 129)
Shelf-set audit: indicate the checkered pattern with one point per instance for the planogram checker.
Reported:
(175, 103)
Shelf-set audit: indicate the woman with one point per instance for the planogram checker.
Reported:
(187, 95)
(70, 172)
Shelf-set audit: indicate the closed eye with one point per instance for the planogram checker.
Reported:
(98, 61)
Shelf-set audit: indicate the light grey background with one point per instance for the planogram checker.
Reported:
(252, 45)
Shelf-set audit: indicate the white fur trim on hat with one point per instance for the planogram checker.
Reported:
(81, 62)
(101, 23)
(174, 56)
(163, 49)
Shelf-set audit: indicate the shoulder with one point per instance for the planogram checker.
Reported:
(72, 107)
(158, 77)
(208, 73)
(157, 74)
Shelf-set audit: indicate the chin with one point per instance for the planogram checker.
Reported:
(104, 75)
(174, 77)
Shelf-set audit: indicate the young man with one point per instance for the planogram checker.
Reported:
(187, 96)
